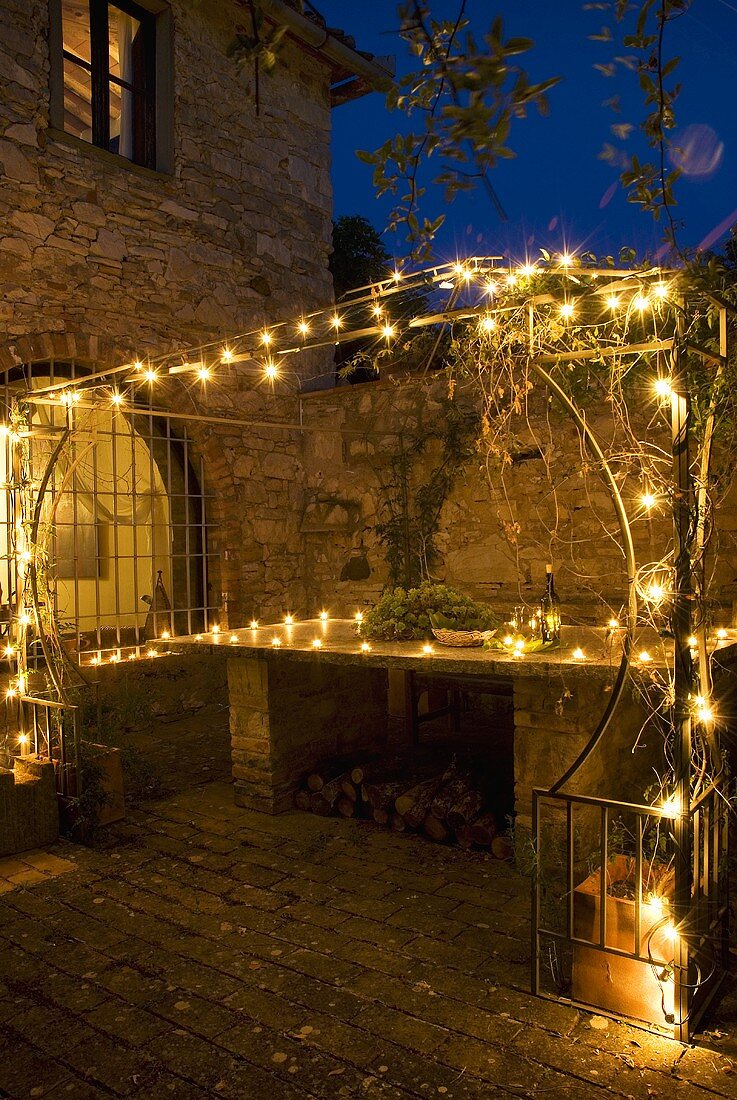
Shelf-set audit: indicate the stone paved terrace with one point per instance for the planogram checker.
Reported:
(212, 951)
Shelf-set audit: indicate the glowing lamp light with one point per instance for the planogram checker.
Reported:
(519, 647)
(271, 371)
(317, 643)
(358, 616)
(397, 276)
(427, 648)
(662, 387)
(692, 641)
(671, 806)
(150, 376)
(488, 324)
(649, 500)
(641, 302)
(276, 642)
(226, 355)
(704, 713)
(491, 287)
(565, 260)
(365, 647)
(508, 640)
(660, 290)
(527, 270)
(721, 633)
(138, 365)
(10, 651)
(336, 321)
(657, 904)
(233, 639)
(117, 398)
(266, 338)
(671, 932)
(376, 310)
(198, 637)
(388, 331)
(613, 301)
(203, 373)
(459, 269)
(23, 741)
(152, 652)
(94, 660)
(10, 693)
(288, 620)
(655, 592)
(323, 616)
(567, 310)
(303, 328)
(613, 624)
(25, 619)
(165, 635)
(215, 629)
(254, 624)
(511, 280)
(644, 657)
(578, 654)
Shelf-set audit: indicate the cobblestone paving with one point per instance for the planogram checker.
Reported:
(215, 952)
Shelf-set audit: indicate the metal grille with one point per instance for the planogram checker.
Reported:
(123, 521)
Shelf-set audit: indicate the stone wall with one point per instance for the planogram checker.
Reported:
(101, 260)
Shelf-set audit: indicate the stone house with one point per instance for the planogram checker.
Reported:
(157, 194)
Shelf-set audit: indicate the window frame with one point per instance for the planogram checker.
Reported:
(155, 101)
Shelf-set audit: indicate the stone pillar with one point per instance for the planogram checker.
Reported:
(288, 716)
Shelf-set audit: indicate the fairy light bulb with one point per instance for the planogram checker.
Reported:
(565, 260)
(376, 310)
(397, 276)
(655, 592)
(365, 647)
(613, 624)
(660, 290)
(266, 338)
(203, 373)
(526, 270)
(511, 279)
(336, 321)
(488, 324)
(721, 633)
(288, 620)
(662, 387)
(138, 365)
(613, 302)
(215, 629)
(165, 635)
(254, 624)
(303, 328)
(387, 331)
(567, 310)
(358, 616)
(491, 287)
(317, 643)
(323, 616)
(226, 355)
(649, 500)
(9, 651)
(271, 371)
(276, 642)
(641, 302)
(150, 376)
(579, 654)
(508, 640)
(519, 646)
(152, 652)
(197, 638)
(233, 639)
(117, 398)
(427, 648)
(693, 641)
(671, 806)
(644, 657)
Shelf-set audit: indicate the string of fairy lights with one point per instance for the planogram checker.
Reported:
(570, 316)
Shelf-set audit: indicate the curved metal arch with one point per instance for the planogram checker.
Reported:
(629, 551)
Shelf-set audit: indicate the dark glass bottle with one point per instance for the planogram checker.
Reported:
(549, 610)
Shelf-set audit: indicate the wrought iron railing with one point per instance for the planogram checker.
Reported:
(50, 728)
(608, 931)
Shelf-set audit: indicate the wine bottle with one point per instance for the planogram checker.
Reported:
(549, 610)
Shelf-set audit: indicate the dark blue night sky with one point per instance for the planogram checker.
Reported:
(557, 193)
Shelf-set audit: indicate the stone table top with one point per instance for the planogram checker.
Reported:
(340, 644)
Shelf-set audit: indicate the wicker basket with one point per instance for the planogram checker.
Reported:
(459, 637)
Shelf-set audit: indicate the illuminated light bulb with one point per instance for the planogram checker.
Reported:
(198, 637)
(276, 642)
(721, 633)
(526, 270)
(660, 290)
(25, 555)
(9, 650)
(254, 624)
(336, 321)
(165, 635)
(671, 806)
(655, 592)
(150, 376)
(358, 616)
(511, 280)
(138, 365)
(579, 654)
(131, 657)
(323, 616)
(152, 652)
(644, 657)
(671, 932)
(233, 639)
(397, 276)
(266, 338)
(488, 324)
(303, 328)
(613, 301)
(565, 260)
(215, 629)
(4, 431)
(657, 903)
(649, 500)
(10, 693)
(23, 739)
(641, 302)
(203, 373)
(491, 287)
(117, 398)
(25, 619)
(704, 713)
(459, 269)
(376, 310)
(519, 645)
(226, 355)
(21, 684)
(387, 331)
(317, 643)
(613, 624)
(365, 647)
(271, 370)
(662, 387)
(94, 660)
(288, 620)
(567, 310)
(508, 639)
(76, 396)
(692, 641)
(114, 658)
(427, 648)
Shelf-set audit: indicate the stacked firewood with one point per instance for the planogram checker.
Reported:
(446, 806)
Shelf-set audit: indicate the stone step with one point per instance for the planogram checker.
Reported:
(29, 811)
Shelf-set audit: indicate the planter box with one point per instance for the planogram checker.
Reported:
(601, 978)
(111, 782)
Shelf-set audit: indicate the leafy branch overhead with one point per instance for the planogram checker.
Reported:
(466, 95)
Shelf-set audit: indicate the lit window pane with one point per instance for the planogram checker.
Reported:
(77, 101)
(75, 15)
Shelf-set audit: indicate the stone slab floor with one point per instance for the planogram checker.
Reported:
(213, 952)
